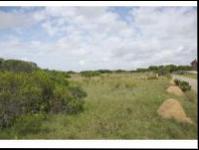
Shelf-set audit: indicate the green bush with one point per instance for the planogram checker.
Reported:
(31, 123)
(177, 82)
(22, 93)
(90, 73)
(68, 100)
(17, 65)
(25, 91)
(183, 85)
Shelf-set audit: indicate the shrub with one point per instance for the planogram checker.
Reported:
(22, 93)
(31, 123)
(176, 82)
(183, 85)
(90, 73)
(25, 91)
(68, 100)
(17, 66)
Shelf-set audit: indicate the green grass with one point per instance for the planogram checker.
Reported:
(189, 75)
(118, 106)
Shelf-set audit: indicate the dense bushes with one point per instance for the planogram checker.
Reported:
(26, 93)
(22, 93)
(165, 69)
(90, 73)
(68, 100)
(17, 65)
(183, 85)
(29, 123)
(59, 77)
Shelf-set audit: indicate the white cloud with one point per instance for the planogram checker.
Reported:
(97, 38)
(15, 20)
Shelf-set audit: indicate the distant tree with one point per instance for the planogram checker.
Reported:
(104, 71)
(1, 61)
(18, 66)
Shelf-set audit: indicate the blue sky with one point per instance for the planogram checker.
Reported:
(82, 38)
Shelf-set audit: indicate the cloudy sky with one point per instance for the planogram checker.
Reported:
(83, 38)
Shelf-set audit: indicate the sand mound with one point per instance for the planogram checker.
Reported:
(172, 108)
(174, 90)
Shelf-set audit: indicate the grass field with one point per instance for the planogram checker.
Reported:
(118, 106)
(189, 75)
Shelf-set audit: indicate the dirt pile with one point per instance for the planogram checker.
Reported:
(172, 108)
(174, 90)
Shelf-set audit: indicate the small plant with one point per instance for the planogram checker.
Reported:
(68, 100)
(183, 85)
(176, 82)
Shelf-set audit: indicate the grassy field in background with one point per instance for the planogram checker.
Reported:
(119, 106)
(189, 75)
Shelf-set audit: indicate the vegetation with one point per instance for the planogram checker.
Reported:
(183, 85)
(25, 91)
(49, 104)
(167, 69)
(90, 73)
(189, 75)
(17, 65)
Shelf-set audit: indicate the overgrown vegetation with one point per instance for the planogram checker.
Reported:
(17, 65)
(27, 90)
(165, 69)
(114, 104)
(160, 70)
(90, 73)
(119, 106)
(183, 85)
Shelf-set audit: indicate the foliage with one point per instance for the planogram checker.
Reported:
(59, 78)
(183, 85)
(22, 93)
(29, 123)
(17, 65)
(104, 71)
(165, 69)
(90, 73)
(68, 100)
(25, 91)
(115, 113)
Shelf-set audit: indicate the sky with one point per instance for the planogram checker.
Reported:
(90, 38)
